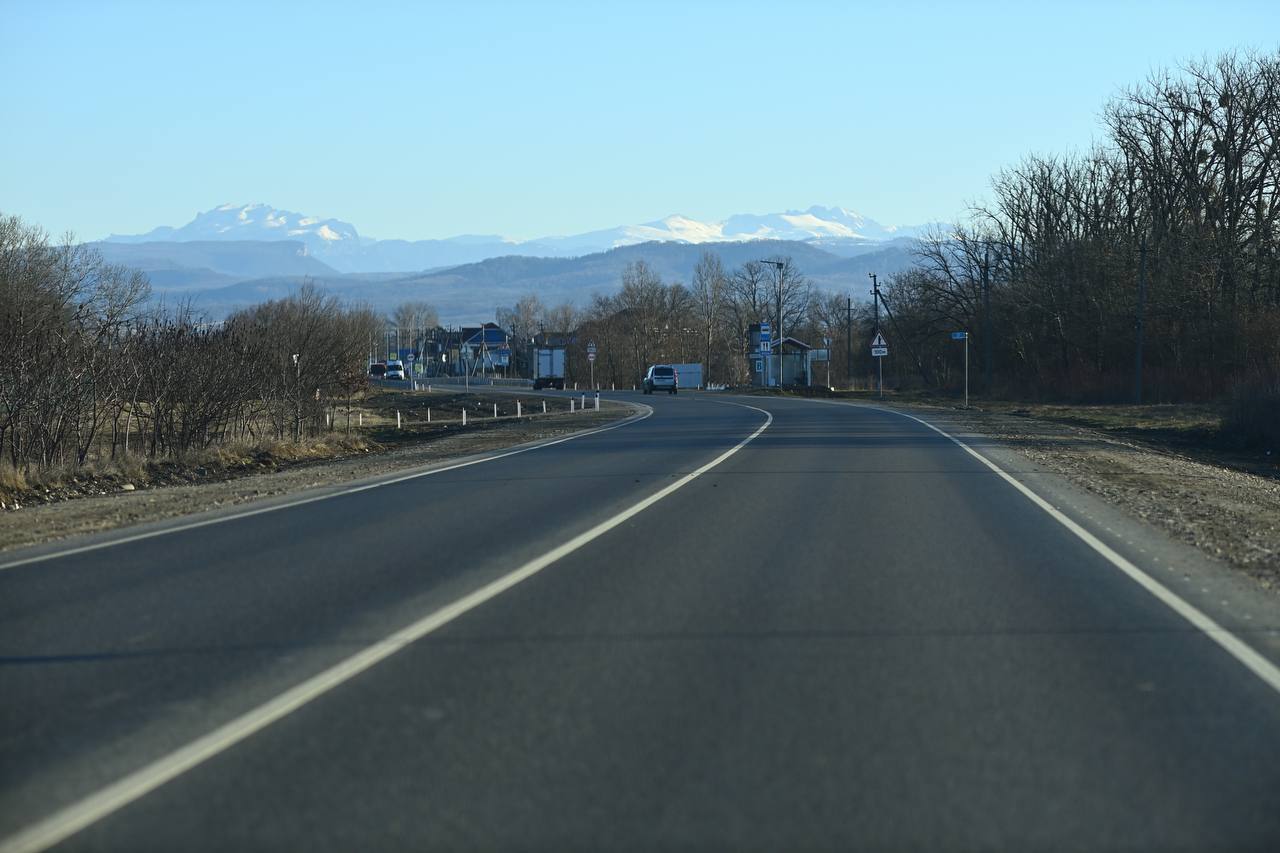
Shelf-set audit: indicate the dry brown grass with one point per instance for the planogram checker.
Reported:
(99, 476)
(12, 480)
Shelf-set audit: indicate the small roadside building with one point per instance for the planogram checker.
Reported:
(793, 354)
(484, 349)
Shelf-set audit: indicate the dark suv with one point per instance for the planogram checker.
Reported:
(661, 377)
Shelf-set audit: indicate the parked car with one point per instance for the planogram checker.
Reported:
(661, 377)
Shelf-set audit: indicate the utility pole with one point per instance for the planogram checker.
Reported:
(848, 341)
(986, 318)
(1142, 307)
(875, 295)
(781, 340)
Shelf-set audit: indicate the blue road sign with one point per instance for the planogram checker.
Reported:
(959, 336)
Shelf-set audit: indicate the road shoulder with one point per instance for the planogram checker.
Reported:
(34, 530)
(1194, 528)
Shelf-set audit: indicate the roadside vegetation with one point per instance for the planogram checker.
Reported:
(1143, 272)
(1146, 270)
(93, 381)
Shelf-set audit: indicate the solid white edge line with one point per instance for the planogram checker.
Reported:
(391, 479)
(67, 821)
(1234, 646)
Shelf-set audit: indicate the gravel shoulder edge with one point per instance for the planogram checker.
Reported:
(94, 522)
(1153, 533)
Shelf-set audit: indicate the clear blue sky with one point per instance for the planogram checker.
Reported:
(418, 120)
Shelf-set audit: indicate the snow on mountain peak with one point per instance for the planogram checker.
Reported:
(338, 243)
(257, 222)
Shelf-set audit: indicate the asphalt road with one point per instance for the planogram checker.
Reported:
(847, 634)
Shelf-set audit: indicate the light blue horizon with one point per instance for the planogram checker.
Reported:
(531, 120)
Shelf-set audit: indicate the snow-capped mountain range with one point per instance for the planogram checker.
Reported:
(340, 245)
(249, 222)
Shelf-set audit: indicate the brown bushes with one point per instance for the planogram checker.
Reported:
(87, 372)
(1184, 197)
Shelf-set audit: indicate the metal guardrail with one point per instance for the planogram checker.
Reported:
(484, 381)
(450, 381)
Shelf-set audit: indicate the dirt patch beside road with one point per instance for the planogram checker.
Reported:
(416, 445)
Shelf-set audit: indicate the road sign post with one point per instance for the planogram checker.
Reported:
(880, 349)
(766, 347)
(964, 336)
(591, 359)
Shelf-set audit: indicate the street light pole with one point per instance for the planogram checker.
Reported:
(777, 333)
(986, 318)
(1142, 307)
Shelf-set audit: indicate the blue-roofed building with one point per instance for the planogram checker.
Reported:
(485, 349)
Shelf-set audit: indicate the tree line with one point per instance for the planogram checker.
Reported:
(1145, 266)
(707, 321)
(90, 370)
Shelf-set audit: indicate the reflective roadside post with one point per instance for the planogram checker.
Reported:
(964, 336)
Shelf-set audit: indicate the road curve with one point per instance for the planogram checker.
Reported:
(849, 633)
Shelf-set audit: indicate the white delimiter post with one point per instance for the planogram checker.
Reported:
(495, 410)
(597, 401)
(428, 414)
(397, 419)
(517, 408)
(464, 417)
(544, 407)
(570, 405)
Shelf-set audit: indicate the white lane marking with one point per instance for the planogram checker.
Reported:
(124, 540)
(1234, 646)
(68, 821)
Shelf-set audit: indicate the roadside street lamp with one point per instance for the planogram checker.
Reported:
(778, 330)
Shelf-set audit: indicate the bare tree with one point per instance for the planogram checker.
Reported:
(710, 293)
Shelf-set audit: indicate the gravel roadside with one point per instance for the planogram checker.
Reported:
(33, 525)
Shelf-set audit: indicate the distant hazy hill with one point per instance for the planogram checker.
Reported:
(471, 292)
(182, 265)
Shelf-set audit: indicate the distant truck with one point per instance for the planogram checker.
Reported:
(548, 368)
(690, 375)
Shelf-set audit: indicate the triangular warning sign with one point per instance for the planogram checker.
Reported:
(879, 341)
